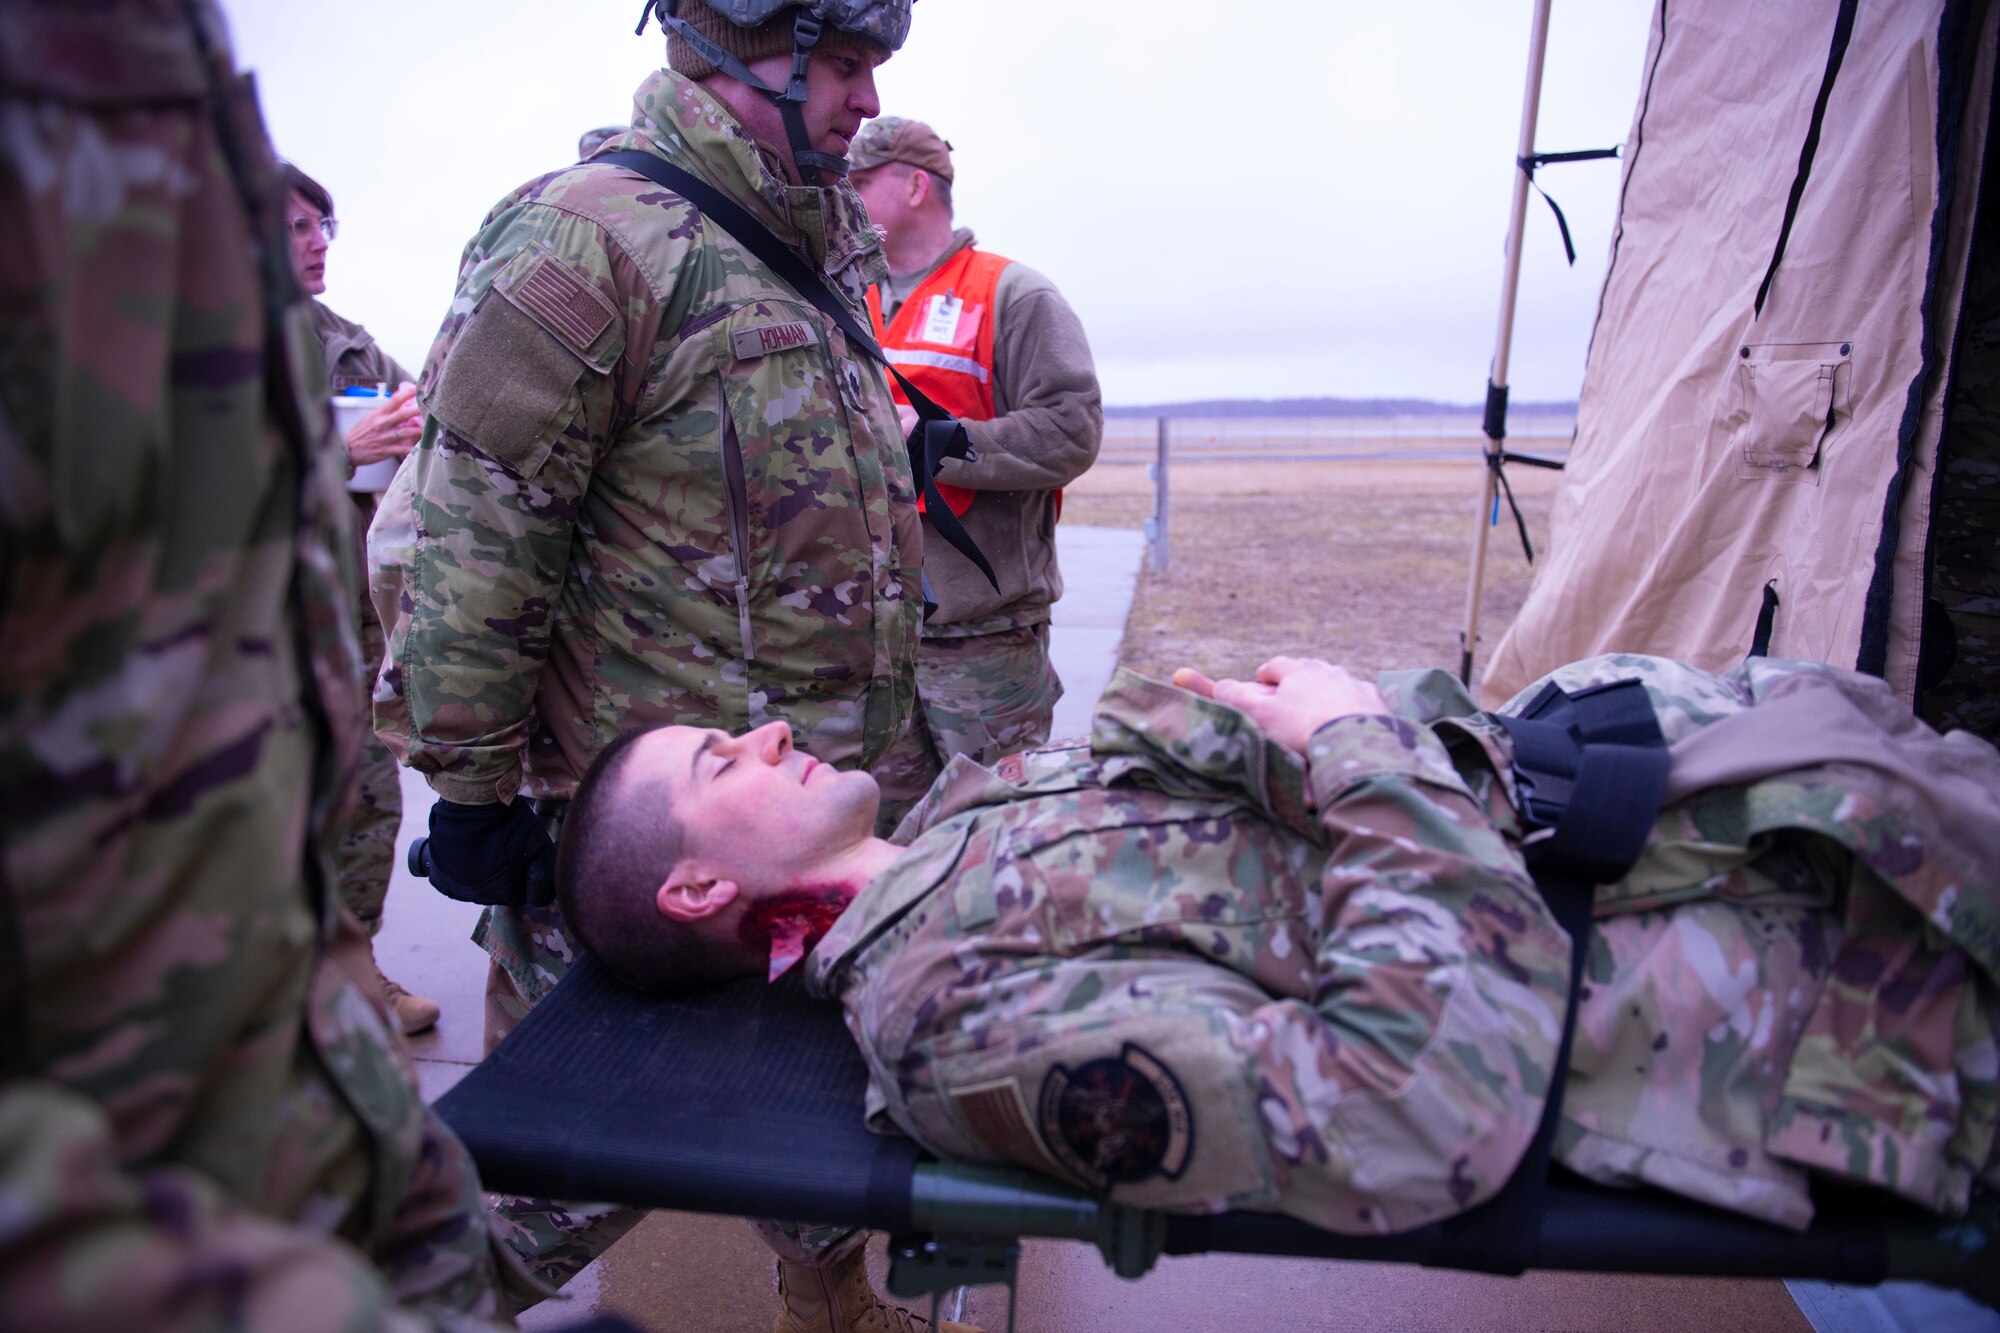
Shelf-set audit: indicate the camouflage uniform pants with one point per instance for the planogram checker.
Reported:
(364, 851)
(984, 696)
(806, 1243)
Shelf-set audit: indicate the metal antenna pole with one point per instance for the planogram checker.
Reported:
(1496, 384)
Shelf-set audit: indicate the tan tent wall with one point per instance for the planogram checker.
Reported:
(1719, 450)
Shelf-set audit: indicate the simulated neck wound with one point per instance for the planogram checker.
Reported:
(789, 924)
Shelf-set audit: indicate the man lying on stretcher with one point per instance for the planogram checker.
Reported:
(1271, 944)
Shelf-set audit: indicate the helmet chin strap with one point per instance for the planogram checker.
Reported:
(808, 161)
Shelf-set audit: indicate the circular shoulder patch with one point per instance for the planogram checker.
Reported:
(1115, 1122)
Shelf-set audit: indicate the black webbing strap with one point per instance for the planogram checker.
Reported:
(1767, 621)
(1591, 768)
(1843, 29)
(1495, 426)
(938, 435)
(1533, 160)
(1496, 459)
(1495, 423)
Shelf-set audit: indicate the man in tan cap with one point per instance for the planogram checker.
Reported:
(994, 342)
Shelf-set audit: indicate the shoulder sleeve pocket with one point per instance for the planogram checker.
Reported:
(510, 382)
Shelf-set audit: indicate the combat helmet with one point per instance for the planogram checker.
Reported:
(884, 23)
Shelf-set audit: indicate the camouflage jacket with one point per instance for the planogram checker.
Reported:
(655, 485)
(204, 1120)
(1343, 1005)
(1167, 968)
(353, 357)
(351, 353)
(1802, 973)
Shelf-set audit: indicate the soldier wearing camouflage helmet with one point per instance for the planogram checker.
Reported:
(205, 1118)
(1272, 944)
(655, 483)
(993, 342)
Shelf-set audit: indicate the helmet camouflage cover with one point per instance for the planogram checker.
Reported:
(707, 36)
(884, 21)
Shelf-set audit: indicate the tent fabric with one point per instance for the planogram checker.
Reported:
(1961, 648)
(1720, 450)
(1901, 606)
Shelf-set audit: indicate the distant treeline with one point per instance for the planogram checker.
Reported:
(1331, 407)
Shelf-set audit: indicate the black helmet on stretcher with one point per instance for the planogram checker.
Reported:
(883, 23)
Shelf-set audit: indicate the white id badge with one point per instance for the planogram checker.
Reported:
(941, 321)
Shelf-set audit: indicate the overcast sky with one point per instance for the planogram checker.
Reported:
(1296, 198)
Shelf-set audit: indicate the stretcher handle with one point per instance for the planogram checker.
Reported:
(958, 1199)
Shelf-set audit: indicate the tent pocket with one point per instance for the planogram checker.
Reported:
(1786, 403)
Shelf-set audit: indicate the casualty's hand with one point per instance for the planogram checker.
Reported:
(390, 431)
(906, 416)
(1292, 697)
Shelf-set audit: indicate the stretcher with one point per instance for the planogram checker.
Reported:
(746, 1100)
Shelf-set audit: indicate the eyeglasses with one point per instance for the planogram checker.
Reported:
(302, 227)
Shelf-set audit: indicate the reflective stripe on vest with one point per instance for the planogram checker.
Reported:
(958, 373)
(905, 356)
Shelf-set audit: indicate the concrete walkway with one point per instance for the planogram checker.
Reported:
(683, 1271)
(1100, 571)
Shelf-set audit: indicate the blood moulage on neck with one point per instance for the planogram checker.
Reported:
(790, 923)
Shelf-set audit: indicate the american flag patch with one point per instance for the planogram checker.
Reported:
(570, 306)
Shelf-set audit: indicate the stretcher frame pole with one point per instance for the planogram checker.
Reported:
(958, 1199)
(1496, 383)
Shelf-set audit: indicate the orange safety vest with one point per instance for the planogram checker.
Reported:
(942, 340)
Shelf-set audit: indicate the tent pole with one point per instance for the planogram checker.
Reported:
(1496, 384)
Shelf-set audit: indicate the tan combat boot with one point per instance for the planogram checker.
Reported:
(414, 1012)
(840, 1300)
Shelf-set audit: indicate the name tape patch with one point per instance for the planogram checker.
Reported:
(765, 339)
(997, 1114)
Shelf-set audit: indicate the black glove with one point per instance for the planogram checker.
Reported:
(495, 854)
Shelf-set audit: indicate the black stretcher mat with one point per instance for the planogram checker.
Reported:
(742, 1099)
(747, 1100)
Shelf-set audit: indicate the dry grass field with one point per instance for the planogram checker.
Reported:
(1363, 562)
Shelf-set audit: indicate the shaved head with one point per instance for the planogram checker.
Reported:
(619, 841)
